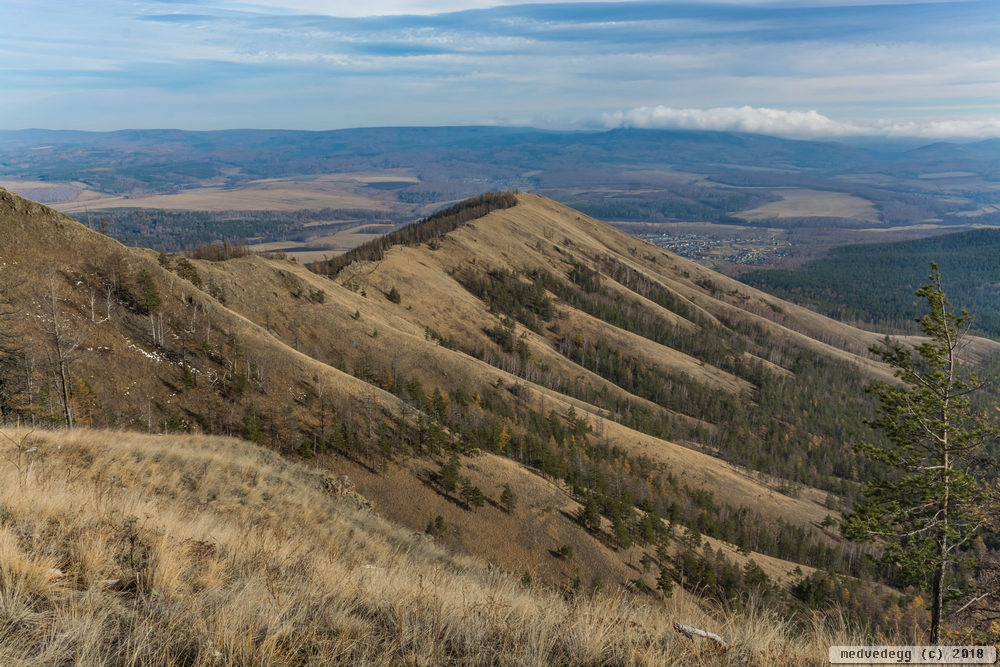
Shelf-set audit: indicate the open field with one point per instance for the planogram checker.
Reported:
(281, 195)
(369, 190)
(803, 203)
(49, 193)
(325, 246)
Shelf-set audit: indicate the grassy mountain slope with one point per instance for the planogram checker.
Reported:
(127, 548)
(213, 370)
(143, 347)
(638, 405)
(389, 344)
(440, 331)
(432, 299)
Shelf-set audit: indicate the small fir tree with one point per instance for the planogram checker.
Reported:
(448, 475)
(590, 515)
(931, 505)
(149, 295)
(508, 499)
(472, 495)
(622, 535)
(665, 582)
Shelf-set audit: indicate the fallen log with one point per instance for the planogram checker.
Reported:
(691, 632)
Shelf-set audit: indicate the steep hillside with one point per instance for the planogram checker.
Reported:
(123, 548)
(530, 386)
(138, 345)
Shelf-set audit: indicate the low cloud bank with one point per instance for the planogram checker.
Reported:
(799, 124)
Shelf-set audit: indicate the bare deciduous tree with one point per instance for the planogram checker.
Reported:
(64, 345)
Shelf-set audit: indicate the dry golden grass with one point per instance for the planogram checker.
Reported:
(285, 195)
(118, 548)
(331, 244)
(803, 203)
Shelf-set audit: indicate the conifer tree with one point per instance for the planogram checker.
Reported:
(590, 515)
(931, 504)
(448, 475)
(665, 582)
(622, 535)
(472, 495)
(508, 499)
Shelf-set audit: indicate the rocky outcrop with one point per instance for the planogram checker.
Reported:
(343, 486)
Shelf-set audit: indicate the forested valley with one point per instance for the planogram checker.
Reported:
(873, 284)
(174, 231)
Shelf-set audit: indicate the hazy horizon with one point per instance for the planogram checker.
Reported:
(903, 142)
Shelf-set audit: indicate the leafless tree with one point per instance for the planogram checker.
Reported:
(19, 452)
(64, 344)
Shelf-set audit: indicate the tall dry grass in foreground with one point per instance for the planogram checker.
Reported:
(119, 548)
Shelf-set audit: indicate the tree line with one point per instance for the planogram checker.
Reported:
(428, 228)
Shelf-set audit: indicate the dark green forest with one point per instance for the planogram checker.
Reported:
(874, 283)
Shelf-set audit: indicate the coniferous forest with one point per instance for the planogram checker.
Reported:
(874, 283)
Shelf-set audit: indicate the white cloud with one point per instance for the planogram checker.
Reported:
(732, 119)
(793, 123)
(939, 129)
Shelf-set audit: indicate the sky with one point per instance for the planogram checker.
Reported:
(798, 68)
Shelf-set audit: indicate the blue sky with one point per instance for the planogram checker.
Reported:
(789, 67)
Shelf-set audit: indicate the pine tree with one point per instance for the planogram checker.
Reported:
(508, 499)
(448, 475)
(930, 506)
(590, 515)
(472, 495)
(665, 582)
(622, 535)
(149, 296)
